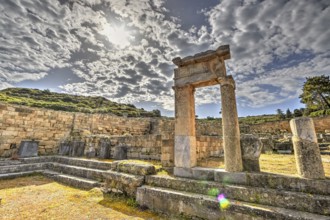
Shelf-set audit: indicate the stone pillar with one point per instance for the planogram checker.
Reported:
(230, 127)
(185, 140)
(306, 149)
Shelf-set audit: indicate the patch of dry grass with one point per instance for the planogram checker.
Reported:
(37, 197)
(272, 163)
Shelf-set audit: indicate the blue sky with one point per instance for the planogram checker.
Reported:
(122, 50)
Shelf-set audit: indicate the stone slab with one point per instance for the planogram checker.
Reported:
(120, 153)
(134, 168)
(223, 176)
(199, 173)
(105, 150)
(183, 172)
(197, 206)
(78, 149)
(64, 149)
(185, 151)
(28, 149)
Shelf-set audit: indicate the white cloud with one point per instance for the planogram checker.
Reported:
(268, 40)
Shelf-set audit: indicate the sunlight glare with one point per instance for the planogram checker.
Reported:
(117, 35)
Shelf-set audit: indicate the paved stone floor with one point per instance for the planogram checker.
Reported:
(37, 197)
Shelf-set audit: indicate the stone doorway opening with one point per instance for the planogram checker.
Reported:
(209, 146)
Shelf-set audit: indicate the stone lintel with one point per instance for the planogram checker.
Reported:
(222, 52)
(197, 80)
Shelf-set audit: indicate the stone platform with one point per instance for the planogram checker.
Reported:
(251, 195)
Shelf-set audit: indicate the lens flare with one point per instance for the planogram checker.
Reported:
(224, 203)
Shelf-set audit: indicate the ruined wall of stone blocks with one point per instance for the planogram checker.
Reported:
(209, 146)
(50, 127)
(22, 123)
(111, 125)
(144, 147)
(208, 128)
(321, 124)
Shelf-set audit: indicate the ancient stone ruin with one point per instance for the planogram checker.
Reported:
(52, 143)
(204, 69)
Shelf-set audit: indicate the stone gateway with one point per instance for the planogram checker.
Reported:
(204, 69)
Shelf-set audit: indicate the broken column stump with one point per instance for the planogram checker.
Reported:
(251, 149)
(307, 152)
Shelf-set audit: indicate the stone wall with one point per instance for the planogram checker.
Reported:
(321, 124)
(209, 146)
(50, 127)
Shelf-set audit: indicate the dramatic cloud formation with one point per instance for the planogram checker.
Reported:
(123, 49)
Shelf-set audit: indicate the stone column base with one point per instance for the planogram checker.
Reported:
(185, 151)
(308, 159)
(251, 165)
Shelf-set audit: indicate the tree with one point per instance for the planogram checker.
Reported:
(288, 113)
(156, 113)
(280, 114)
(316, 93)
(298, 112)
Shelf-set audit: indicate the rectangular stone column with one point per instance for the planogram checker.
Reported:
(185, 140)
(306, 149)
(230, 127)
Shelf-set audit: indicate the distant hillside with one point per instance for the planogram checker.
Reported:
(73, 103)
(258, 119)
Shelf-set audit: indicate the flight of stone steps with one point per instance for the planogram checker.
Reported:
(81, 173)
(251, 196)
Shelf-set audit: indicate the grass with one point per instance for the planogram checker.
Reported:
(272, 163)
(72, 103)
(37, 197)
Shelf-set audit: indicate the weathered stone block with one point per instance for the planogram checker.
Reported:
(105, 149)
(78, 148)
(132, 167)
(185, 151)
(307, 152)
(122, 182)
(64, 149)
(251, 150)
(120, 153)
(28, 149)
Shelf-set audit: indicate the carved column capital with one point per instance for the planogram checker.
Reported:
(227, 80)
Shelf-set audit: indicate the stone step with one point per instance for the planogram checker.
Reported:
(262, 179)
(41, 159)
(6, 176)
(122, 182)
(319, 204)
(22, 167)
(81, 162)
(133, 167)
(274, 181)
(207, 207)
(70, 180)
(83, 172)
